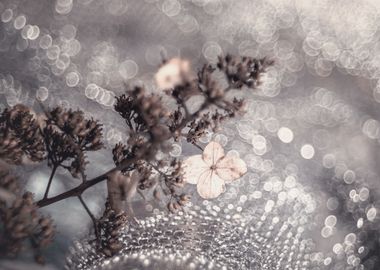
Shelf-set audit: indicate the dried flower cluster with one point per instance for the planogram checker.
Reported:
(20, 221)
(62, 137)
(242, 71)
(109, 226)
(20, 137)
(68, 135)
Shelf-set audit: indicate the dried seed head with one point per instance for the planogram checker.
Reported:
(21, 221)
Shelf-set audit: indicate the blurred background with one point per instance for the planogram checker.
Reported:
(310, 136)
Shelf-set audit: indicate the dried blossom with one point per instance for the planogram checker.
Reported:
(68, 136)
(9, 185)
(170, 182)
(243, 70)
(182, 93)
(121, 152)
(87, 133)
(20, 221)
(110, 225)
(199, 127)
(208, 86)
(136, 147)
(147, 179)
(20, 136)
(175, 120)
(211, 170)
(151, 125)
(143, 113)
(63, 137)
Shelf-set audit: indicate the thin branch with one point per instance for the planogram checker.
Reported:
(50, 181)
(85, 185)
(84, 176)
(91, 216)
(194, 143)
(141, 194)
(186, 109)
(75, 191)
(228, 88)
(198, 146)
(158, 170)
(122, 166)
(129, 123)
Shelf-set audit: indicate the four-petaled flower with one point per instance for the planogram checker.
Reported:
(211, 170)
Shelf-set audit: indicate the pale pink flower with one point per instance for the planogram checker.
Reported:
(212, 170)
(173, 73)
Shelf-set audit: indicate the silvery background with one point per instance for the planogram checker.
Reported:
(311, 133)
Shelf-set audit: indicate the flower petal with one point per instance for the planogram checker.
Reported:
(174, 72)
(230, 168)
(210, 185)
(212, 153)
(193, 167)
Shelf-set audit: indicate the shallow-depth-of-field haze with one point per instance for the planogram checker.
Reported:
(190, 134)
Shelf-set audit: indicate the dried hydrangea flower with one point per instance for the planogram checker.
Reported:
(63, 137)
(21, 141)
(20, 222)
(211, 170)
(110, 225)
(173, 73)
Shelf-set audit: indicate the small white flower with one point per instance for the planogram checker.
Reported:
(211, 170)
(173, 73)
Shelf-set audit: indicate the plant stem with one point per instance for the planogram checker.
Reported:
(84, 185)
(50, 181)
(198, 146)
(91, 216)
(158, 170)
(73, 192)
(77, 191)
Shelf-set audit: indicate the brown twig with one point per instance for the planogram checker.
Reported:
(77, 191)
(65, 136)
(50, 181)
(91, 216)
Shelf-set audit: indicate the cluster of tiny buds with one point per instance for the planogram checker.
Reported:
(63, 137)
(110, 225)
(21, 220)
(179, 202)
